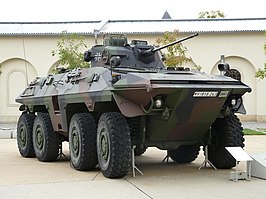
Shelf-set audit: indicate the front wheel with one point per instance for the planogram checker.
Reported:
(113, 145)
(226, 132)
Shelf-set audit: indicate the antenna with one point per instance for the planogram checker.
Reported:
(98, 29)
(24, 54)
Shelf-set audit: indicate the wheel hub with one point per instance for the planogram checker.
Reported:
(23, 136)
(104, 146)
(75, 142)
(39, 137)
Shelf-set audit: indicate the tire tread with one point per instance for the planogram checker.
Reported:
(229, 131)
(88, 159)
(120, 160)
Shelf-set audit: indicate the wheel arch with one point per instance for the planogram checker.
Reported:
(33, 108)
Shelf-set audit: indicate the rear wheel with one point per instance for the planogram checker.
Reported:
(45, 141)
(139, 150)
(82, 142)
(184, 154)
(136, 133)
(226, 132)
(113, 145)
(24, 134)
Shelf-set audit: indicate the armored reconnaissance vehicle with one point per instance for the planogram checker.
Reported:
(129, 100)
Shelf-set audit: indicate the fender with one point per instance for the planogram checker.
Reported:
(127, 107)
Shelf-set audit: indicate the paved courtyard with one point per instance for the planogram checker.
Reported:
(29, 178)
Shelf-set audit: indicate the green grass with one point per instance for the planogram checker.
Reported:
(253, 132)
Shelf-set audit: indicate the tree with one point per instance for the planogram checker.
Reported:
(70, 51)
(176, 54)
(261, 73)
(211, 14)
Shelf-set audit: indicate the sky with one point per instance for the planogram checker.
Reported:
(88, 10)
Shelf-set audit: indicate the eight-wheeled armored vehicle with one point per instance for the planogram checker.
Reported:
(130, 99)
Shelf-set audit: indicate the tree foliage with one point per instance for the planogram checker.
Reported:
(261, 73)
(70, 51)
(211, 14)
(176, 54)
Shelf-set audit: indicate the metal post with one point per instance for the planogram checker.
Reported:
(166, 159)
(222, 60)
(248, 170)
(133, 162)
(206, 160)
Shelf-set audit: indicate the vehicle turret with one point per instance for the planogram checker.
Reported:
(137, 54)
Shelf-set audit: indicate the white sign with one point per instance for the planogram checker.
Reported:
(239, 154)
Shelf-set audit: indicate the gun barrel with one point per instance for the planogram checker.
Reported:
(175, 42)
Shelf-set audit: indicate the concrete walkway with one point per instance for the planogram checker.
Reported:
(28, 178)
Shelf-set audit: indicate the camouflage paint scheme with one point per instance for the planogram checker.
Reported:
(129, 79)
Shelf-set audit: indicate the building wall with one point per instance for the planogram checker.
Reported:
(22, 58)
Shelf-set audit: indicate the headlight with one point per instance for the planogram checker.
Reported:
(158, 103)
(233, 102)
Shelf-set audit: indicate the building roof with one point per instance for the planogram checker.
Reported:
(134, 26)
(47, 28)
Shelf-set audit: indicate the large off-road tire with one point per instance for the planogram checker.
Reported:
(82, 142)
(226, 132)
(184, 154)
(45, 141)
(24, 134)
(113, 145)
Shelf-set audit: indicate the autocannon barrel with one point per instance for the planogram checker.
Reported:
(153, 50)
